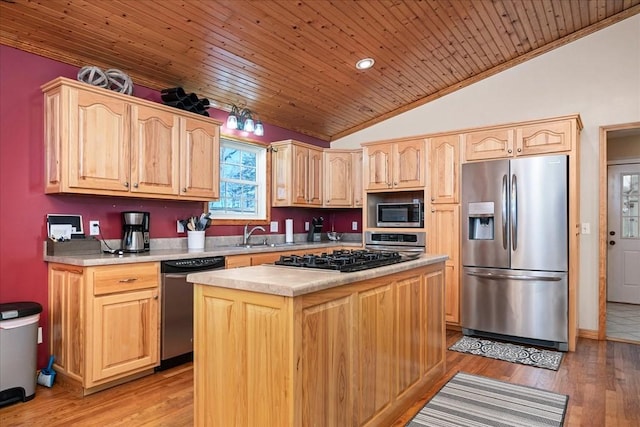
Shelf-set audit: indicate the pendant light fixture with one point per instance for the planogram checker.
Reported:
(242, 119)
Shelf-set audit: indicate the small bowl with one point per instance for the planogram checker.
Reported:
(333, 236)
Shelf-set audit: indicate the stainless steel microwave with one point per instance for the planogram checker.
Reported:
(404, 215)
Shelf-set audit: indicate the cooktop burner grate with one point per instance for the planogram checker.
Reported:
(343, 260)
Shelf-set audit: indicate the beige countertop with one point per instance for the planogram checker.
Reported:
(295, 281)
(183, 253)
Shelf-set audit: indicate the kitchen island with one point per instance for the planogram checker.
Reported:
(286, 346)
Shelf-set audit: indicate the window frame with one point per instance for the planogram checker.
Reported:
(267, 183)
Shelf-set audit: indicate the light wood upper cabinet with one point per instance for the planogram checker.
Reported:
(296, 174)
(104, 322)
(394, 165)
(444, 166)
(98, 149)
(338, 181)
(358, 193)
(155, 155)
(488, 144)
(104, 143)
(531, 138)
(200, 159)
(546, 137)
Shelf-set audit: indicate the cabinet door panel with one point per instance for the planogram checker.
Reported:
(408, 343)
(375, 347)
(434, 325)
(409, 164)
(489, 144)
(446, 220)
(99, 156)
(300, 173)
(125, 334)
(200, 159)
(155, 156)
(377, 166)
(445, 169)
(358, 192)
(326, 353)
(337, 175)
(66, 296)
(544, 138)
(315, 177)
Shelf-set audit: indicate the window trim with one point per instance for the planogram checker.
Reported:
(267, 220)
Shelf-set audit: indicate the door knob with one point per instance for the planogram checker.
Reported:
(612, 242)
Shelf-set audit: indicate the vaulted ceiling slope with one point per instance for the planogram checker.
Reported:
(292, 61)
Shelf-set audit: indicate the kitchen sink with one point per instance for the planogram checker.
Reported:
(263, 245)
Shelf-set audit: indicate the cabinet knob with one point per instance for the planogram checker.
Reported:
(519, 150)
(509, 151)
(155, 297)
(126, 184)
(184, 190)
(395, 184)
(135, 185)
(433, 199)
(433, 210)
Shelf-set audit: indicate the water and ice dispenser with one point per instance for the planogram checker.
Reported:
(481, 219)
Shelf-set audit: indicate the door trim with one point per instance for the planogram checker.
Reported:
(603, 225)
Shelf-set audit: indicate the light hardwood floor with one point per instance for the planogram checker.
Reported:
(601, 378)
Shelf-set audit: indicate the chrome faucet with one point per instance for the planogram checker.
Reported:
(247, 234)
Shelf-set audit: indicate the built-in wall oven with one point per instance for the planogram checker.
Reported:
(407, 243)
(176, 325)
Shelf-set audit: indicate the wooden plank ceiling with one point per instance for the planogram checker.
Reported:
(292, 61)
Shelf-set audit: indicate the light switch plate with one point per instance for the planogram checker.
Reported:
(179, 227)
(274, 226)
(354, 226)
(306, 226)
(586, 228)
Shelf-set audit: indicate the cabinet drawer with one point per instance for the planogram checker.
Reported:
(122, 278)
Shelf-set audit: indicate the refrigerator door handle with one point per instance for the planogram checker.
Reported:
(514, 213)
(492, 276)
(504, 212)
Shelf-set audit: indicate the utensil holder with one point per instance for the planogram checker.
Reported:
(195, 240)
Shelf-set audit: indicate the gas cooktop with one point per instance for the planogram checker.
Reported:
(345, 261)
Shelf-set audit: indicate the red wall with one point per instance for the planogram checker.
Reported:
(24, 206)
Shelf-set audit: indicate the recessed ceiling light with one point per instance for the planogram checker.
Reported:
(365, 64)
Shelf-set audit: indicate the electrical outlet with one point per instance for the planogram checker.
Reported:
(274, 226)
(94, 228)
(354, 226)
(586, 228)
(179, 227)
(306, 226)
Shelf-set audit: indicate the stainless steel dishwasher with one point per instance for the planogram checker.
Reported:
(176, 325)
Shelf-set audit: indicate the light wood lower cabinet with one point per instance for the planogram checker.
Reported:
(104, 323)
(355, 355)
(444, 238)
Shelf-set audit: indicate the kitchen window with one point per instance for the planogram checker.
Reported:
(243, 182)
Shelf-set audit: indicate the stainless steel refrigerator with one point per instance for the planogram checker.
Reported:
(515, 250)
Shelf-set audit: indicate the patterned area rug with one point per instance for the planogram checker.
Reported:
(472, 400)
(547, 359)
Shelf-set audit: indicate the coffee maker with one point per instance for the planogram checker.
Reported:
(135, 231)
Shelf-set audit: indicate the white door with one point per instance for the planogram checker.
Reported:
(623, 260)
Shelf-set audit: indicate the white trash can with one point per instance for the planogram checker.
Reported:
(18, 351)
